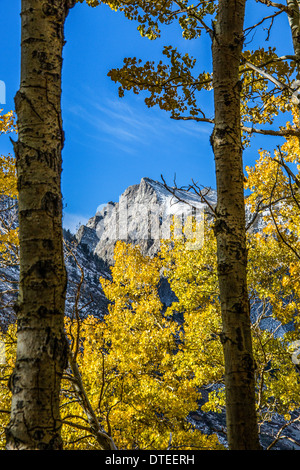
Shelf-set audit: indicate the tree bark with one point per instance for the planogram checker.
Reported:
(242, 432)
(41, 348)
(294, 22)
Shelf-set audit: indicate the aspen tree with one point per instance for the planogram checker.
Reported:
(41, 348)
(229, 228)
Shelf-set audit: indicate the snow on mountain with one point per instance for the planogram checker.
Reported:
(142, 216)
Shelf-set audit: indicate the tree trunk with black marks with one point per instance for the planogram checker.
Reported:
(229, 228)
(294, 22)
(41, 348)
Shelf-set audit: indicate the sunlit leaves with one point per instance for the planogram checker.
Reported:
(274, 272)
(9, 243)
(274, 298)
(8, 196)
(267, 82)
(170, 84)
(143, 366)
(130, 368)
(148, 14)
(7, 122)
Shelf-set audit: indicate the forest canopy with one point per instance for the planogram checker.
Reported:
(132, 379)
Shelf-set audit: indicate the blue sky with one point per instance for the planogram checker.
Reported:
(111, 142)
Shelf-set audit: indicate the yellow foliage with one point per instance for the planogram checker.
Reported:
(8, 178)
(8, 196)
(274, 270)
(143, 365)
(7, 122)
(130, 368)
(142, 368)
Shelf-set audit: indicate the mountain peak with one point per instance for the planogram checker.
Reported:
(142, 216)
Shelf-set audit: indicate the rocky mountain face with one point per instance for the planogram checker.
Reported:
(141, 216)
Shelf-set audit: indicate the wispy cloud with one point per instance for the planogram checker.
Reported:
(114, 120)
(72, 222)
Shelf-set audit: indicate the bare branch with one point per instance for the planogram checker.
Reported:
(250, 130)
(287, 169)
(295, 132)
(76, 425)
(192, 118)
(175, 189)
(270, 17)
(276, 225)
(282, 7)
(198, 191)
(103, 439)
(259, 208)
(272, 79)
(279, 436)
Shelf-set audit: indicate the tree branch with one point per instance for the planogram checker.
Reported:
(250, 130)
(270, 17)
(277, 133)
(103, 439)
(272, 79)
(287, 169)
(278, 435)
(282, 7)
(276, 225)
(196, 189)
